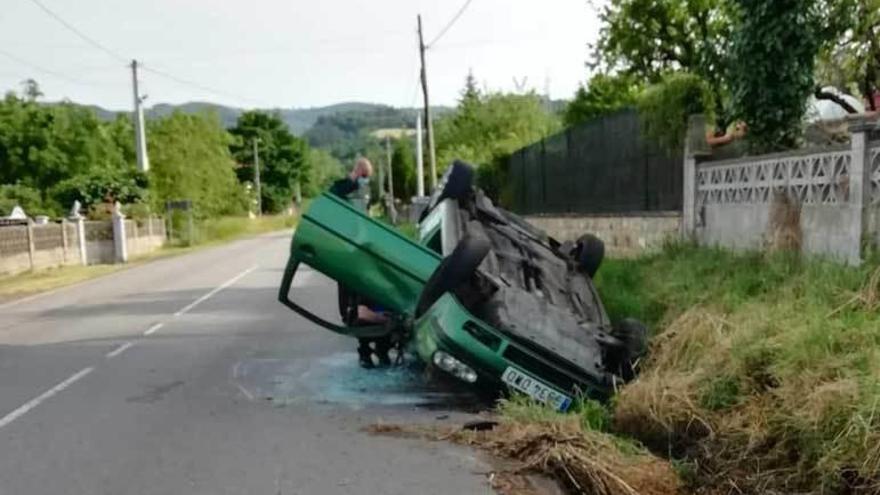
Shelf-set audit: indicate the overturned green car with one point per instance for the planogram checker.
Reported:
(483, 295)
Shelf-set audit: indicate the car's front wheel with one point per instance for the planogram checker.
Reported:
(589, 252)
(454, 270)
(633, 336)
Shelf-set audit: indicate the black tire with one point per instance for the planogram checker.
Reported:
(589, 253)
(633, 334)
(455, 270)
(457, 182)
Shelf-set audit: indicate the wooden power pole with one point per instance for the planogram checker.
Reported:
(429, 126)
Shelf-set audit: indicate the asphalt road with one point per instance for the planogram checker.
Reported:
(185, 376)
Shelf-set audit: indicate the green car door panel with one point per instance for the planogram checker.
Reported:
(363, 254)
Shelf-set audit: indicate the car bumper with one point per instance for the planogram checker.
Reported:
(449, 327)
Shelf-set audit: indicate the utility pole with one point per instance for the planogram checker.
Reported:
(381, 183)
(420, 163)
(140, 137)
(257, 176)
(428, 124)
(390, 170)
(392, 210)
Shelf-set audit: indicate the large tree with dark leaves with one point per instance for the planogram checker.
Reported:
(283, 157)
(645, 39)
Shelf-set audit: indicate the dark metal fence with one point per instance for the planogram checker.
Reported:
(601, 166)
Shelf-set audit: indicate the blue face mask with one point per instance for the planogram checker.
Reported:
(363, 181)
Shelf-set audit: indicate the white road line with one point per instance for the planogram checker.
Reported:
(119, 350)
(21, 411)
(214, 291)
(244, 391)
(153, 328)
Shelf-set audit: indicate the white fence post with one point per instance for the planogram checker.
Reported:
(64, 241)
(860, 175)
(30, 238)
(119, 241)
(689, 195)
(76, 217)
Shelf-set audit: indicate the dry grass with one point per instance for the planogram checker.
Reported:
(775, 390)
(581, 461)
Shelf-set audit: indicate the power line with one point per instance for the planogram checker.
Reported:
(79, 33)
(448, 25)
(201, 87)
(118, 56)
(42, 69)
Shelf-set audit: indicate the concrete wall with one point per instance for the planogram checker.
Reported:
(872, 217)
(145, 236)
(624, 235)
(24, 247)
(821, 230)
(823, 201)
(32, 247)
(99, 242)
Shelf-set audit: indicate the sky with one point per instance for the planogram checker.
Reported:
(291, 53)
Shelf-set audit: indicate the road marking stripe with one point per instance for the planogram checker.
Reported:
(21, 411)
(214, 291)
(153, 328)
(119, 350)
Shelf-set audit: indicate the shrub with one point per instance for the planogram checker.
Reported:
(666, 107)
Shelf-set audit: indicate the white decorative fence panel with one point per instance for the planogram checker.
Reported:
(818, 178)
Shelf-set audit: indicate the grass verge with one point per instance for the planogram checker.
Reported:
(564, 447)
(763, 373)
(210, 232)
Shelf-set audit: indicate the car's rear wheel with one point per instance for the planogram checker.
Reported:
(454, 270)
(589, 253)
(633, 336)
(457, 182)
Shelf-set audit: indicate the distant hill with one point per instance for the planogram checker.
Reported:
(300, 120)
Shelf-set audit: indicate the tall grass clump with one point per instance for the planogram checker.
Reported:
(764, 368)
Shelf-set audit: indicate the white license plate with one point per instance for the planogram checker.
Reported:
(535, 389)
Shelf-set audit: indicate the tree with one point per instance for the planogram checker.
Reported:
(43, 145)
(324, 168)
(404, 168)
(31, 90)
(646, 39)
(851, 60)
(190, 159)
(773, 51)
(493, 125)
(604, 94)
(283, 157)
(28, 198)
(665, 108)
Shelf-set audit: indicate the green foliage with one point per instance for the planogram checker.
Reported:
(190, 159)
(852, 61)
(645, 39)
(485, 128)
(323, 169)
(666, 106)
(603, 95)
(403, 164)
(773, 51)
(767, 346)
(42, 145)
(347, 133)
(283, 157)
(12, 195)
(721, 392)
(102, 186)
